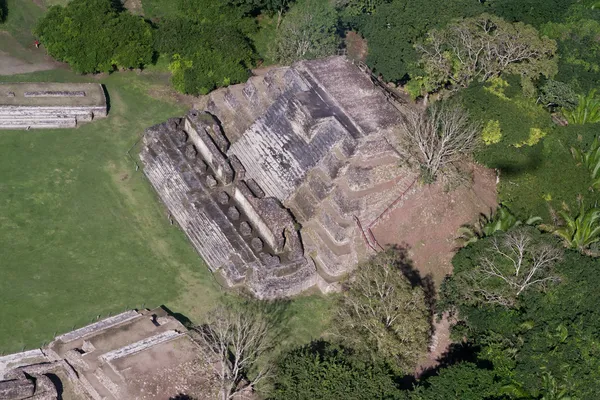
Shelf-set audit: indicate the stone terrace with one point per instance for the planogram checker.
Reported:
(302, 146)
(50, 105)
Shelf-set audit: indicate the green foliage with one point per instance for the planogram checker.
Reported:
(324, 371)
(309, 30)
(509, 265)
(395, 27)
(484, 47)
(531, 177)
(532, 12)
(464, 381)
(579, 64)
(382, 313)
(587, 110)
(591, 160)
(548, 345)
(3, 10)
(491, 132)
(502, 220)
(579, 231)
(219, 55)
(93, 36)
(554, 94)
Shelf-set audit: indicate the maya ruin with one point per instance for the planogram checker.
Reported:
(126, 356)
(50, 105)
(273, 181)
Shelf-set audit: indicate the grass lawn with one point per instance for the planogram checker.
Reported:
(83, 234)
(21, 18)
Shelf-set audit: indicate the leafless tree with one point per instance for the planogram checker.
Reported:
(515, 263)
(237, 339)
(437, 138)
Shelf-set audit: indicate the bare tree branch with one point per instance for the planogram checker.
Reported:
(514, 264)
(236, 339)
(438, 138)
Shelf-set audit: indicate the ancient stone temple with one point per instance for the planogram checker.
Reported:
(272, 181)
(50, 105)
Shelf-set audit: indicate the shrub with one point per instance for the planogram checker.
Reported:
(587, 110)
(324, 371)
(491, 132)
(218, 56)
(94, 36)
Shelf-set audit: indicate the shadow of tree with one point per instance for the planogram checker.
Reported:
(403, 262)
(182, 396)
(3, 10)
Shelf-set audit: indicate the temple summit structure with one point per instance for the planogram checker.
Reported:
(274, 179)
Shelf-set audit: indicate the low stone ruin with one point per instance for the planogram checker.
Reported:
(272, 180)
(50, 105)
(123, 357)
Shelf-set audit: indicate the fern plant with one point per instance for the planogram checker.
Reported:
(501, 220)
(587, 110)
(591, 160)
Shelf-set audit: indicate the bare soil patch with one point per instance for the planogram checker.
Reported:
(356, 46)
(134, 6)
(16, 59)
(427, 219)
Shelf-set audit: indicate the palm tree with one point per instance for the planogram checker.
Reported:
(501, 220)
(587, 110)
(580, 231)
(591, 160)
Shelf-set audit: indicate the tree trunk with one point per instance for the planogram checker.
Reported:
(279, 15)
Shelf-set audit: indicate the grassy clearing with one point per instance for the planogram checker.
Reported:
(159, 8)
(22, 17)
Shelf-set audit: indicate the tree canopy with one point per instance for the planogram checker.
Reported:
(321, 370)
(95, 36)
(307, 31)
(382, 311)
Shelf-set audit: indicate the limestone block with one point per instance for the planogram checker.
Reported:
(245, 229)
(233, 213)
(190, 151)
(223, 197)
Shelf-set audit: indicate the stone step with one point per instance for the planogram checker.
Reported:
(140, 345)
(97, 326)
(331, 264)
(40, 123)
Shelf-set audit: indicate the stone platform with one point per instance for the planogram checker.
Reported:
(269, 181)
(145, 354)
(50, 105)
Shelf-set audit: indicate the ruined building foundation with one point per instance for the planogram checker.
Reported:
(271, 181)
(135, 355)
(50, 105)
